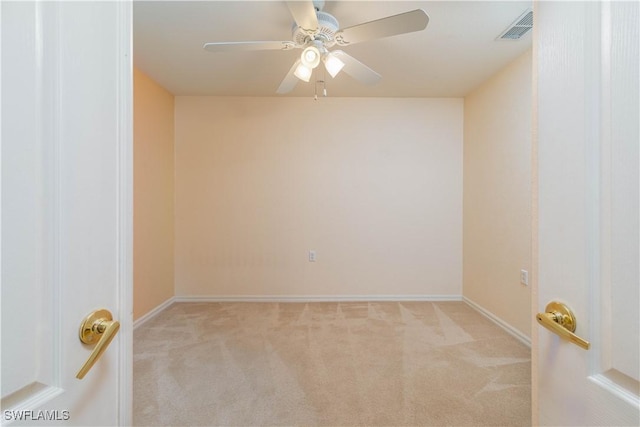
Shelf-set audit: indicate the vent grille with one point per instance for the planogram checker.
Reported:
(519, 28)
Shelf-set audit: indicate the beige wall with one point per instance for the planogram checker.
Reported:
(373, 185)
(153, 216)
(497, 194)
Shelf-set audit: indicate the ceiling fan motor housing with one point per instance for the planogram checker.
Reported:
(327, 28)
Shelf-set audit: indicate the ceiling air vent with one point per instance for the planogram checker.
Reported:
(519, 28)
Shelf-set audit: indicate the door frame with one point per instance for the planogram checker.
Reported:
(125, 210)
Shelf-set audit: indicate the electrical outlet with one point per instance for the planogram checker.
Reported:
(524, 277)
(312, 256)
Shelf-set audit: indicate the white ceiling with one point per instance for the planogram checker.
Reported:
(455, 53)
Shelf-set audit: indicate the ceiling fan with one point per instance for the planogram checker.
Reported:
(315, 32)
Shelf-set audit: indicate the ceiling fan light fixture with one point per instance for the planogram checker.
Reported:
(310, 57)
(333, 64)
(303, 72)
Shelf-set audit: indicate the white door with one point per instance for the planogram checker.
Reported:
(66, 209)
(588, 236)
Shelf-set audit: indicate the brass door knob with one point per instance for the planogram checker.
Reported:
(560, 320)
(97, 326)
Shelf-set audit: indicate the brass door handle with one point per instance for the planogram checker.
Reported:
(560, 320)
(97, 326)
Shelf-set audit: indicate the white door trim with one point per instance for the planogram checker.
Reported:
(125, 211)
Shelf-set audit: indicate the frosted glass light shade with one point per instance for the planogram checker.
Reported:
(333, 64)
(310, 57)
(303, 72)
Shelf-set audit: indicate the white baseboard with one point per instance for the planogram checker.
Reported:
(332, 298)
(153, 313)
(498, 321)
(314, 298)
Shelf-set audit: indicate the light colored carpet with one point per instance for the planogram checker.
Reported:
(333, 364)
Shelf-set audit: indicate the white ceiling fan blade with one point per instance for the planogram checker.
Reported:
(247, 46)
(290, 80)
(407, 22)
(357, 69)
(304, 14)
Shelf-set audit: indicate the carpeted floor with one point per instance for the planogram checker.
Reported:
(331, 364)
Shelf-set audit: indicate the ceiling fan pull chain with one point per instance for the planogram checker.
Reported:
(324, 82)
(324, 89)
